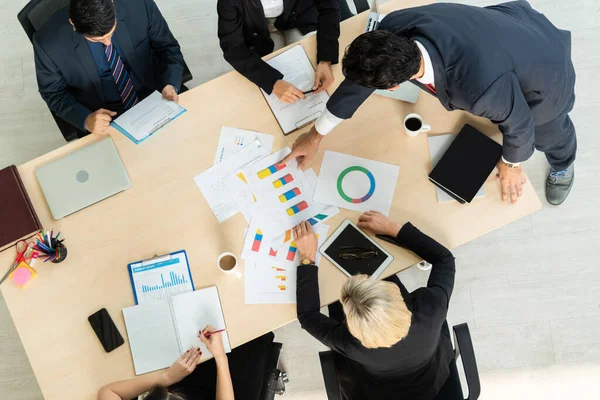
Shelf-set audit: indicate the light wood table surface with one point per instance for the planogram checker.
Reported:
(164, 211)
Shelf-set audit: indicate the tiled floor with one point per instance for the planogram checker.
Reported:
(530, 291)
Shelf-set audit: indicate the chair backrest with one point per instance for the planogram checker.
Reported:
(37, 12)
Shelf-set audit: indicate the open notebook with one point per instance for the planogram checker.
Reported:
(161, 331)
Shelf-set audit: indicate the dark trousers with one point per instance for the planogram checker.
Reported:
(557, 139)
(247, 364)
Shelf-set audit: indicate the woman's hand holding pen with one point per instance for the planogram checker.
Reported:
(286, 92)
(213, 341)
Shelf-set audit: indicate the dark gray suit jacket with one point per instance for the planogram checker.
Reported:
(67, 76)
(507, 63)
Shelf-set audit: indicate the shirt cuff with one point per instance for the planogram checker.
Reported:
(327, 122)
(508, 162)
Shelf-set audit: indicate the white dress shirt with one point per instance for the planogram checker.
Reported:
(327, 121)
(272, 8)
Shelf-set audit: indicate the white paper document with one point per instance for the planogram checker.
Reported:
(283, 195)
(271, 278)
(297, 70)
(437, 147)
(356, 183)
(147, 117)
(161, 331)
(233, 140)
(214, 182)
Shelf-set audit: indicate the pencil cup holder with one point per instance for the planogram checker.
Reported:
(63, 254)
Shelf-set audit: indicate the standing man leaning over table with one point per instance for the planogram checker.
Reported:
(506, 62)
(251, 29)
(98, 59)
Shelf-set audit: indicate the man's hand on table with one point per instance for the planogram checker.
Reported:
(306, 241)
(511, 180)
(305, 148)
(378, 224)
(170, 93)
(99, 121)
(286, 92)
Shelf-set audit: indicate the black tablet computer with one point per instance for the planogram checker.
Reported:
(353, 252)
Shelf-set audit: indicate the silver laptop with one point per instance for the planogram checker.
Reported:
(407, 91)
(82, 178)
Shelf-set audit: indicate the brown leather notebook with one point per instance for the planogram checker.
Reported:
(18, 219)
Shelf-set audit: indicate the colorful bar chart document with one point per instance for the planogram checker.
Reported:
(270, 276)
(161, 277)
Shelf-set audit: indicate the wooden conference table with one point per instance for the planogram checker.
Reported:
(164, 211)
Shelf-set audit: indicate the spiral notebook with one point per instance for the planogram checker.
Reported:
(161, 331)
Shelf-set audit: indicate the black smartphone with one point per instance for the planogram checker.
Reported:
(106, 330)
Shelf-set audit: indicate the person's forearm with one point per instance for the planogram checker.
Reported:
(131, 388)
(224, 384)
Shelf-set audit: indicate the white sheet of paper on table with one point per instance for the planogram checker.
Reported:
(366, 184)
(214, 183)
(148, 116)
(233, 140)
(438, 145)
(297, 70)
(272, 279)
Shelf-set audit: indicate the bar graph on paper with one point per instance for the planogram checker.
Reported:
(161, 279)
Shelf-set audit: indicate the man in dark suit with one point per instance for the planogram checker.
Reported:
(506, 62)
(98, 59)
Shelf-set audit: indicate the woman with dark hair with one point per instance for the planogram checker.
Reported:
(241, 373)
(251, 29)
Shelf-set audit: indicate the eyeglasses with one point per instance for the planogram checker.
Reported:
(356, 253)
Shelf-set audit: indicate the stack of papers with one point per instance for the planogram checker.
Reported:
(273, 198)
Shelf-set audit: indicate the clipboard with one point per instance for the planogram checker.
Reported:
(313, 109)
(160, 277)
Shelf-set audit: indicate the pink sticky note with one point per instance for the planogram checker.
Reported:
(21, 276)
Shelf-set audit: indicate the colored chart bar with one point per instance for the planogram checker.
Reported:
(257, 240)
(270, 170)
(288, 236)
(273, 253)
(315, 220)
(290, 194)
(281, 277)
(283, 181)
(297, 208)
(175, 280)
(292, 252)
(281, 287)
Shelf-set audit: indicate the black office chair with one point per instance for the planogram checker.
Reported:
(32, 17)
(275, 379)
(452, 390)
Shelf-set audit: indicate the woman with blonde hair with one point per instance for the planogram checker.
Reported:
(393, 344)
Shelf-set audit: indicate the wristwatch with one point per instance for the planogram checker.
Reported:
(307, 261)
(511, 164)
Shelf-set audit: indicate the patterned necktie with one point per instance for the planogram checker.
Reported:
(122, 77)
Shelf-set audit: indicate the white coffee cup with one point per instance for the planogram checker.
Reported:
(228, 263)
(413, 125)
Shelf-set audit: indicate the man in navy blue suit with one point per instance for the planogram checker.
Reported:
(98, 58)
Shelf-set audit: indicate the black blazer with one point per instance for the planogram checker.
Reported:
(66, 73)
(418, 365)
(244, 36)
(506, 62)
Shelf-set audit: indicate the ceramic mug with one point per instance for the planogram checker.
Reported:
(413, 125)
(227, 262)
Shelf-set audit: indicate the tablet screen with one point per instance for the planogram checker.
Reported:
(351, 236)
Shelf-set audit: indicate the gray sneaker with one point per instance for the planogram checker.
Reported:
(559, 184)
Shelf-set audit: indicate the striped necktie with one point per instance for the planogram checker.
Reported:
(122, 77)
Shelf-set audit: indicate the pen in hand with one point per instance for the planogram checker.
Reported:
(308, 92)
(209, 334)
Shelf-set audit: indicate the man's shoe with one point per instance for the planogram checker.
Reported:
(559, 184)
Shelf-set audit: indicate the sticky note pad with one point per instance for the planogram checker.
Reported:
(22, 275)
